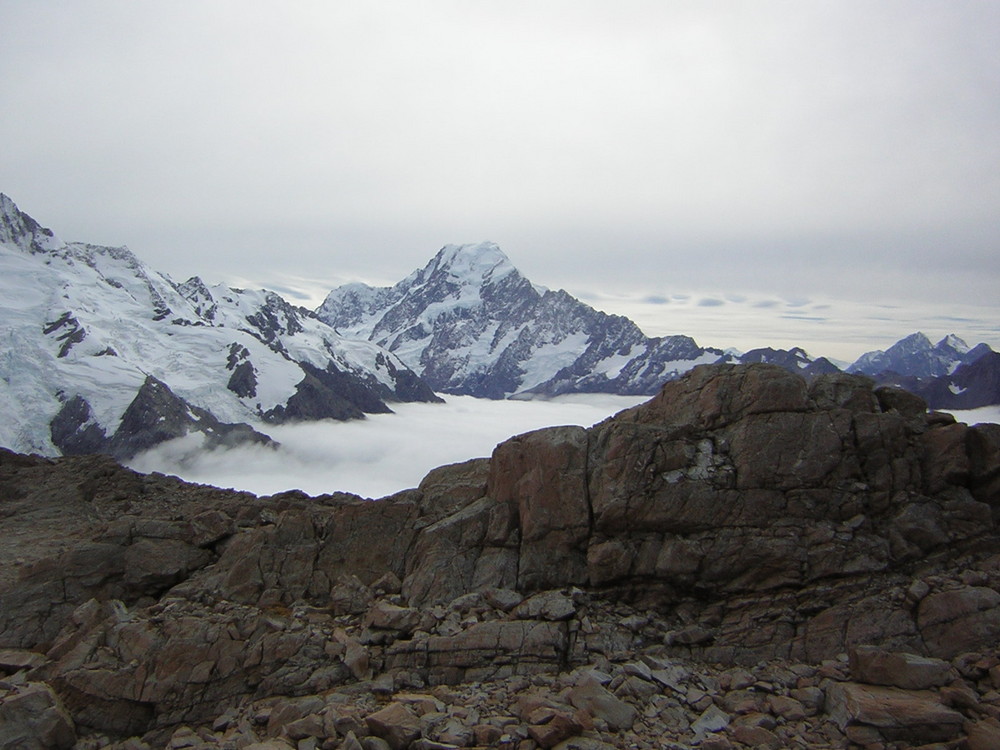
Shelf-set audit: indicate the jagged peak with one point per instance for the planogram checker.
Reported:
(17, 228)
(952, 341)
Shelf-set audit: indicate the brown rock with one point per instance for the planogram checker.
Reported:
(895, 714)
(787, 708)
(983, 734)
(16, 659)
(543, 474)
(878, 667)
(396, 724)
(712, 719)
(716, 742)
(559, 727)
(757, 737)
(710, 397)
(945, 458)
(959, 620)
(487, 649)
(389, 616)
(447, 489)
(33, 718)
(983, 443)
(350, 596)
(600, 703)
(547, 605)
(903, 402)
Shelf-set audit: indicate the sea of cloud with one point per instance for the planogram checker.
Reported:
(376, 456)
(976, 416)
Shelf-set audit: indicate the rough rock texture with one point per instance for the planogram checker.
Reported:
(747, 560)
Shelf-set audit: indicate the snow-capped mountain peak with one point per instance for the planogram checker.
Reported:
(916, 356)
(954, 342)
(470, 323)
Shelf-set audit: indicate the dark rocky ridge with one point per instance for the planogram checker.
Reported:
(693, 571)
(970, 386)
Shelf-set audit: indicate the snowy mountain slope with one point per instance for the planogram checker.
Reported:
(90, 332)
(471, 324)
(916, 356)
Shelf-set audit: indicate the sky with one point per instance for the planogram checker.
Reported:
(822, 173)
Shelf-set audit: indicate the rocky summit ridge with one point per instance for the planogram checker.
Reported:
(747, 560)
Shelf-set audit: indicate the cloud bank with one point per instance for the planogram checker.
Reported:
(379, 455)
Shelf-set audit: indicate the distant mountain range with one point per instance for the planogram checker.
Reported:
(103, 354)
(470, 323)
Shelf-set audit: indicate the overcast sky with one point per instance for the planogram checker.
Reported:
(824, 173)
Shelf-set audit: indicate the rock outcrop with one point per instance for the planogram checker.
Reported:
(747, 560)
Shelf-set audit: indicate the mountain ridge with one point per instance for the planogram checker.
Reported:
(471, 324)
(92, 331)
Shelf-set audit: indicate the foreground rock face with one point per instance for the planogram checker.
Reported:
(744, 561)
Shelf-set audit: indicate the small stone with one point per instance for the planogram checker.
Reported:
(713, 719)
(548, 605)
(756, 737)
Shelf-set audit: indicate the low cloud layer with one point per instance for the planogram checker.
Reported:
(376, 456)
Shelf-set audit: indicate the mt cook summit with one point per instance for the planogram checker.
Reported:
(469, 323)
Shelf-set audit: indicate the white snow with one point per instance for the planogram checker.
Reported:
(114, 298)
(548, 359)
(611, 367)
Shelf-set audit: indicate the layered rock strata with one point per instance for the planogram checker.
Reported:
(746, 560)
